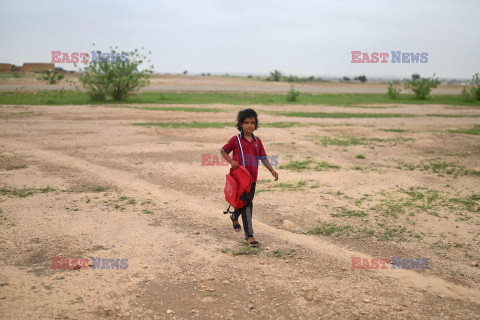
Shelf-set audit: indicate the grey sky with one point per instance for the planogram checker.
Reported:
(217, 36)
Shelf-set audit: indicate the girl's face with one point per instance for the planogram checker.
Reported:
(248, 125)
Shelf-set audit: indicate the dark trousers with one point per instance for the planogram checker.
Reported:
(246, 213)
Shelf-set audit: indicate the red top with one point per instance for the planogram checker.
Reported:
(252, 152)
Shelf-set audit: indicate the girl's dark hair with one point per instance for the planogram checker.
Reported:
(244, 114)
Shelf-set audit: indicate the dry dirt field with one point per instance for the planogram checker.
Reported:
(82, 182)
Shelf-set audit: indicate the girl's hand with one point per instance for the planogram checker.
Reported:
(275, 174)
(234, 164)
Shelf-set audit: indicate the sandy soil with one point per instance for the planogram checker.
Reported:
(227, 84)
(82, 182)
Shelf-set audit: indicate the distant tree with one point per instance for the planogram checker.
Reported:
(185, 72)
(291, 78)
(275, 75)
(116, 77)
(415, 77)
(346, 79)
(361, 78)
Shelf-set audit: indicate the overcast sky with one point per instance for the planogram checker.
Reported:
(219, 36)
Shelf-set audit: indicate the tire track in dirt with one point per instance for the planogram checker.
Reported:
(129, 183)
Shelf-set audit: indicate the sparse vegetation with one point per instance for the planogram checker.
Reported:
(393, 130)
(338, 114)
(114, 76)
(473, 93)
(328, 229)
(242, 249)
(344, 212)
(439, 167)
(417, 200)
(296, 165)
(292, 95)
(237, 98)
(393, 92)
(422, 86)
(25, 192)
(52, 77)
(475, 130)
(349, 140)
(283, 253)
(325, 166)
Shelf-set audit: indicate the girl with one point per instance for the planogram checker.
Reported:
(252, 147)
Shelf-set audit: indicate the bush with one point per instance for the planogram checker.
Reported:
(51, 77)
(473, 93)
(393, 92)
(275, 75)
(361, 78)
(292, 95)
(422, 86)
(113, 76)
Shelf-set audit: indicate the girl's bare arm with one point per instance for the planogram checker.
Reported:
(232, 162)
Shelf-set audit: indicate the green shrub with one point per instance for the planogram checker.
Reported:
(51, 77)
(393, 92)
(422, 86)
(275, 75)
(114, 77)
(473, 93)
(292, 95)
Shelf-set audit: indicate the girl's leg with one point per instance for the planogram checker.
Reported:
(247, 212)
(238, 212)
(247, 221)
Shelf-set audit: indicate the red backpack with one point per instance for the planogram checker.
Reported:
(238, 185)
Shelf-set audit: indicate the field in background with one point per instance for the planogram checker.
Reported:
(178, 83)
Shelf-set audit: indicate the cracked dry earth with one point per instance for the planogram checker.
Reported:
(82, 182)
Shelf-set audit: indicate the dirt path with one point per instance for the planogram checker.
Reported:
(130, 192)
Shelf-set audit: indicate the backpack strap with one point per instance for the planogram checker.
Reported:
(228, 210)
(241, 150)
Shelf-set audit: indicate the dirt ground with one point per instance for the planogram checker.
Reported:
(225, 84)
(82, 182)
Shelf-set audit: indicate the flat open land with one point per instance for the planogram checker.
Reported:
(81, 181)
(178, 83)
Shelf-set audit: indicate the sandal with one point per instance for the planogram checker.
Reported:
(253, 243)
(236, 224)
